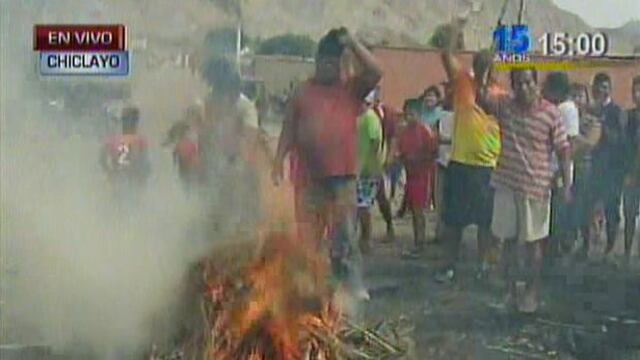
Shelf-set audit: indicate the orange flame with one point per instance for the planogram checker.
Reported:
(271, 309)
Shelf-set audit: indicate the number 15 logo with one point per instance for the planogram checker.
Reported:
(512, 39)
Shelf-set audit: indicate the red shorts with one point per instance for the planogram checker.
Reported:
(419, 189)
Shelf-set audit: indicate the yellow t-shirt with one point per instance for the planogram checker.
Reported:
(476, 135)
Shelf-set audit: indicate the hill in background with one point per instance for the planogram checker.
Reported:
(389, 22)
(410, 23)
(629, 33)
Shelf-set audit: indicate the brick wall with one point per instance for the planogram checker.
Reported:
(409, 71)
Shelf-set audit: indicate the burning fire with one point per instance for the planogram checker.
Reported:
(278, 304)
(277, 308)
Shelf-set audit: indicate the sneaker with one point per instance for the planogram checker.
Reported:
(445, 276)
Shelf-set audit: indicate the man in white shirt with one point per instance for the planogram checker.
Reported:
(563, 232)
(445, 137)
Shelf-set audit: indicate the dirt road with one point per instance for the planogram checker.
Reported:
(585, 305)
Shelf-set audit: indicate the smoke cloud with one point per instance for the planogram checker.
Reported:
(78, 269)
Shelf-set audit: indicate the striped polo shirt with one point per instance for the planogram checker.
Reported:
(529, 138)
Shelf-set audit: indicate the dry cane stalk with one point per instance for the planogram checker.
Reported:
(380, 341)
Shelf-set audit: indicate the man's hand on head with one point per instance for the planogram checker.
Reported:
(345, 38)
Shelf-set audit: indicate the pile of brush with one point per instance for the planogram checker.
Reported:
(279, 307)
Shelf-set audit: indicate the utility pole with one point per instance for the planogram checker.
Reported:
(523, 4)
(238, 10)
(238, 42)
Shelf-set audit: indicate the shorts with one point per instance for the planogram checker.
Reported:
(331, 192)
(468, 195)
(367, 189)
(631, 201)
(331, 203)
(394, 173)
(418, 188)
(521, 217)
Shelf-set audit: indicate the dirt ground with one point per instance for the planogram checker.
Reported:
(590, 309)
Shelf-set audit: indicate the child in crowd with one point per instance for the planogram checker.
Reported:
(186, 154)
(431, 110)
(369, 169)
(445, 132)
(417, 149)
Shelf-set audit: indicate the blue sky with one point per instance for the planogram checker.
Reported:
(603, 13)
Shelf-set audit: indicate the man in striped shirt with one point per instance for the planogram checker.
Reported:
(532, 130)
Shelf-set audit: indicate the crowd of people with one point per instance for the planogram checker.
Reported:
(542, 164)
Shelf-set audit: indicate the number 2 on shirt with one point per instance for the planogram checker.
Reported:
(123, 154)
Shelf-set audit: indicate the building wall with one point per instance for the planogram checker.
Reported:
(407, 72)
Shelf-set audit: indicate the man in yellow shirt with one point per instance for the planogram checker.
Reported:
(476, 146)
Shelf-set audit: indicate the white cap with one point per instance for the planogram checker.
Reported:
(371, 97)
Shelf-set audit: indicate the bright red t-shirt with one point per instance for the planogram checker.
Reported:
(125, 151)
(325, 124)
(126, 158)
(187, 155)
(413, 141)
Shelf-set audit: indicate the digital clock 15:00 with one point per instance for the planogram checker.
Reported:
(584, 44)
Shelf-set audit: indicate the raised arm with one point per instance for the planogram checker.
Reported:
(562, 148)
(584, 143)
(494, 102)
(450, 63)
(371, 72)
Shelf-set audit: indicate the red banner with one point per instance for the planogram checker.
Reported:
(99, 37)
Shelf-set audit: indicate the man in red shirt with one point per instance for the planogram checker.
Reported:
(321, 126)
(124, 157)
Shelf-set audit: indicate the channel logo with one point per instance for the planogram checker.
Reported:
(512, 44)
(82, 49)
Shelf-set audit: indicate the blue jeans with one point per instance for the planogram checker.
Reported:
(331, 201)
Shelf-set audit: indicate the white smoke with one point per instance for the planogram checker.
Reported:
(77, 270)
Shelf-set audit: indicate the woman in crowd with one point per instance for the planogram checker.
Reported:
(417, 151)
